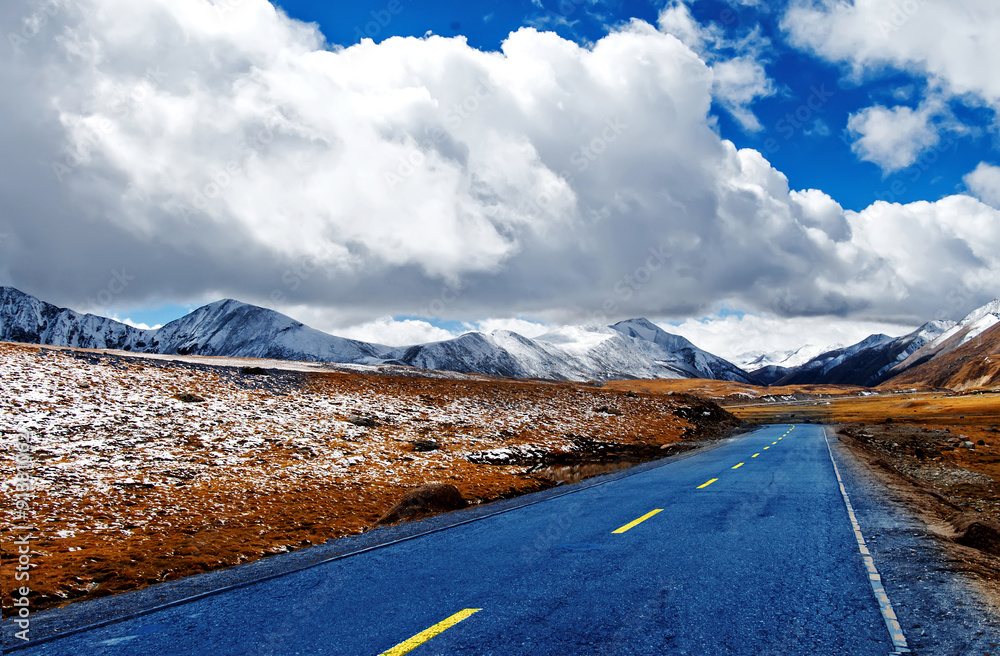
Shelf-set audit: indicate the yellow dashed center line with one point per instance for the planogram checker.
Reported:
(773, 443)
(424, 636)
(766, 448)
(704, 485)
(755, 455)
(739, 465)
(638, 521)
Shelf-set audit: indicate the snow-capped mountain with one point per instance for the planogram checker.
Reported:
(631, 349)
(972, 326)
(680, 355)
(24, 318)
(636, 348)
(233, 329)
(975, 364)
(499, 353)
(868, 363)
(754, 360)
(224, 328)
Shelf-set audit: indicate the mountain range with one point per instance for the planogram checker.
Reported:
(754, 360)
(228, 328)
(867, 363)
(635, 348)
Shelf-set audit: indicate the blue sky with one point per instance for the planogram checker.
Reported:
(713, 165)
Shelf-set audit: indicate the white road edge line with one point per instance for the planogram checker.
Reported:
(888, 614)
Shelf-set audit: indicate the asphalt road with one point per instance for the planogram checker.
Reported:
(763, 560)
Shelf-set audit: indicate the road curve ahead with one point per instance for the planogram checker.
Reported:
(744, 549)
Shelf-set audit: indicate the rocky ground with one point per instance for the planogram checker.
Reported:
(952, 469)
(149, 469)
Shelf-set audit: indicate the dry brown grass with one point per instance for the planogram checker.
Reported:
(973, 414)
(125, 501)
(730, 393)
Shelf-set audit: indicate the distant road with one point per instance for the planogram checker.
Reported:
(745, 549)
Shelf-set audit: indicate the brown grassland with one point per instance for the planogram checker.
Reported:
(135, 486)
(150, 471)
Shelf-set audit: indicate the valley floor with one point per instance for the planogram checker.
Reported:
(147, 469)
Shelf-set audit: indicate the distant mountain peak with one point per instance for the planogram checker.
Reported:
(990, 309)
(638, 322)
(649, 331)
(634, 348)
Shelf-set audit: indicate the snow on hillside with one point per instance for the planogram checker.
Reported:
(978, 322)
(753, 360)
(970, 327)
(137, 480)
(233, 329)
(681, 355)
(501, 353)
(631, 349)
(606, 354)
(868, 363)
(24, 318)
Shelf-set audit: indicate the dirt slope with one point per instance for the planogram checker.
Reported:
(975, 364)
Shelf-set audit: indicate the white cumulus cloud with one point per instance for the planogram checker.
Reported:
(738, 77)
(951, 45)
(893, 138)
(239, 155)
(529, 329)
(736, 335)
(391, 332)
(984, 183)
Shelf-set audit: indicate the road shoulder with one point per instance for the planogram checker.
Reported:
(943, 606)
